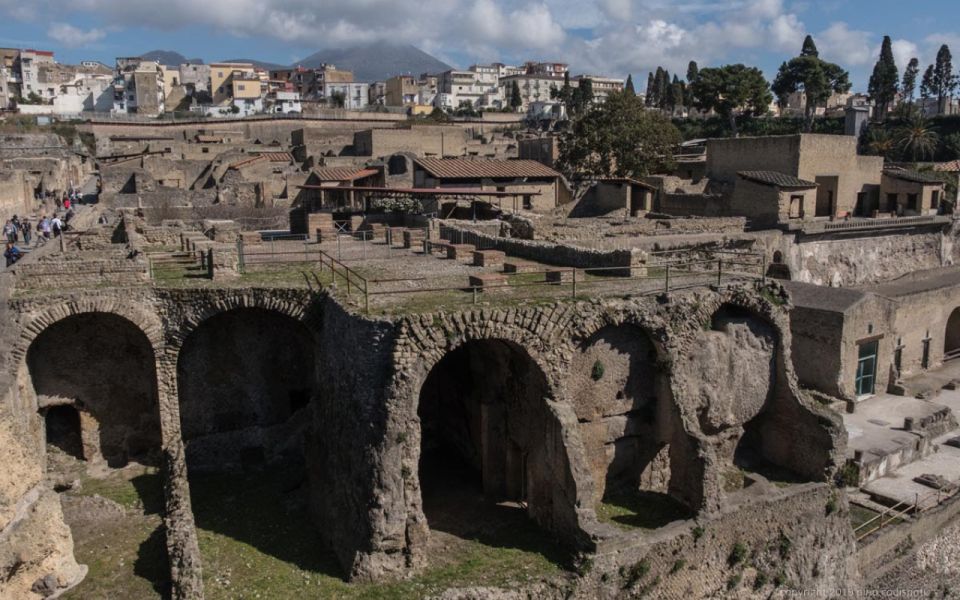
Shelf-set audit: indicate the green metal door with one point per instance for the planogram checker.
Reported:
(866, 368)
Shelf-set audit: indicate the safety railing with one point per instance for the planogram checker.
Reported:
(897, 512)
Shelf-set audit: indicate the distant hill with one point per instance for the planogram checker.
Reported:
(170, 58)
(377, 62)
(268, 66)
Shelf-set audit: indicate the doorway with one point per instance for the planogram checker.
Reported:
(827, 195)
(867, 368)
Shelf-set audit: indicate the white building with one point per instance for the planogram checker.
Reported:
(285, 102)
(29, 64)
(356, 96)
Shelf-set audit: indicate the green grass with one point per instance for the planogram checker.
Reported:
(256, 541)
(640, 510)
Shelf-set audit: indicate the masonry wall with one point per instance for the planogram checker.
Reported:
(829, 155)
(418, 140)
(817, 339)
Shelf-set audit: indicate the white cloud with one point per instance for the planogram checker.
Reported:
(903, 51)
(845, 46)
(73, 37)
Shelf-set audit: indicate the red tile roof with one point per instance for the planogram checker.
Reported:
(950, 167)
(458, 168)
(277, 156)
(342, 173)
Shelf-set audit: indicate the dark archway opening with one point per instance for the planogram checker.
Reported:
(951, 337)
(644, 473)
(397, 165)
(105, 365)
(63, 430)
(246, 379)
(485, 460)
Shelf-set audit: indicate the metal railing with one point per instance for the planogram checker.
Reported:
(878, 223)
(896, 513)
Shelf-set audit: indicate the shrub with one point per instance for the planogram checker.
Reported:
(737, 554)
(637, 572)
(596, 373)
(677, 565)
(734, 581)
(697, 532)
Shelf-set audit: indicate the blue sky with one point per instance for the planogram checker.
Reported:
(613, 37)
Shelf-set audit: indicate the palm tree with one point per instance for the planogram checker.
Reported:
(879, 142)
(917, 139)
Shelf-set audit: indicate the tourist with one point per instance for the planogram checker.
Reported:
(25, 228)
(10, 232)
(44, 227)
(57, 225)
(12, 254)
(66, 204)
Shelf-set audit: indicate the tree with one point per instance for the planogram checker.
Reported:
(692, 71)
(628, 88)
(926, 85)
(678, 90)
(885, 80)
(338, 99)
(917, 139)
(663, 90)
(731, 90)
(951, 146)
(879, 142)
(618, 138)
(909, 86)
(650, 92)
(583, 95)
(816, 78)
(944, 80)
(515, 100)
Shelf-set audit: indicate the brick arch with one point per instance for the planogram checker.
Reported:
(289, 307)
(656, 330)
(139, 316)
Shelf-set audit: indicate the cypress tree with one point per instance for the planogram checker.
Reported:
(944, 81)
(650, 90)
(885, 80)
(629, 87)
(909, 86)
(809, 48)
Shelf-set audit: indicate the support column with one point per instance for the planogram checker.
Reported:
(186, 574)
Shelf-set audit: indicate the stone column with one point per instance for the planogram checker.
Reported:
(182, 548)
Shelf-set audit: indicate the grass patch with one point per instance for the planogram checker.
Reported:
(640, 510)
(257, 541)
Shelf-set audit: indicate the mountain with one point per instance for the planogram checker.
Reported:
(170, 58)
(377, 62)
(267, 66)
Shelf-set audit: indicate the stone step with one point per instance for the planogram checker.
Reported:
(513, 265)
(482, 280)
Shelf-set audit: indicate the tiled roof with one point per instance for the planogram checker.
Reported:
(342, 173)
(457, 168)
(247, 162)
(912, 176)
(277, 156)
(777, 179)
(950, 167)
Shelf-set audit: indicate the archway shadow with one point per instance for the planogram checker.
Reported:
(454, 503)
(642, 509)
(149, 487)
(265, 508)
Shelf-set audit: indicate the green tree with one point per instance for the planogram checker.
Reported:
(338, 99)
(692, 71)
(917, 139)
(885, 80)
(618, 138)
(678, 90)
(815, 78)
(583, 95)
(650, 93)
(944, 81)
(909, 86)
(663, 90)
(878, 142)
(516, 101)
(628, 88)
(951, 146)
(731, 90)
(926, 84)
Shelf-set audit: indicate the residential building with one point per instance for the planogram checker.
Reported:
(29, 64)
(378, 93)
(602, 86)
(355, 96)
(552, 69)
(139, 87)
(533, 87)
(221, 80)
(196, 78)
(285, 102)
(400, 91)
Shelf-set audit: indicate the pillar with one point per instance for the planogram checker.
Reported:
(183, 550)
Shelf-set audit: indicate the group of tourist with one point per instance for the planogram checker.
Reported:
(16, 229)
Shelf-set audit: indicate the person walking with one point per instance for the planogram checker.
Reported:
(57, 225)
(44, 227)
(10, 232)
(25, 229)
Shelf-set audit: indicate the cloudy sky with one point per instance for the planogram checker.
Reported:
(612, 37)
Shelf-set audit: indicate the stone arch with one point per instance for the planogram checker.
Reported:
(104, 366)
(640, 455)
(145, 320)
(488, 402)
(951, 336)
(243, 372)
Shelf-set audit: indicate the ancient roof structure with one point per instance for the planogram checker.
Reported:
(777, 179)
(913, 176)
(819, 297)
(342, 173)
(952, 166)
(458, 168)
